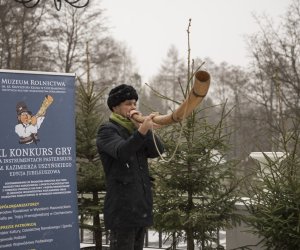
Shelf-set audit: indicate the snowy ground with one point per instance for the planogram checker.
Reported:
(153, 240)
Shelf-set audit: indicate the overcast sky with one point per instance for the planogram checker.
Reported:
(150, 27)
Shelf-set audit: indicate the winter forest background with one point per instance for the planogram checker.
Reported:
(246, 110)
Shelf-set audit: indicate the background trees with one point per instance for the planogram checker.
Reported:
(275, 70)
(169, 78)
(21, 37)
(274, 189)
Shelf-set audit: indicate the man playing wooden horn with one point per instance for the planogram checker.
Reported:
(124, 147)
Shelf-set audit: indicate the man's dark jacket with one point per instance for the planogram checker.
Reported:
(128, 201)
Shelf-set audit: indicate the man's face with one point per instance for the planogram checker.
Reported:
(125, 107)
(25, 117)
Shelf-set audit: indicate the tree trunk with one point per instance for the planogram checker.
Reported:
(174, 243)
(97, 224)
(190, 240)
(189, 230)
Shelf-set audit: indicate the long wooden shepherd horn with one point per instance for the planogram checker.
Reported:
(195, 97)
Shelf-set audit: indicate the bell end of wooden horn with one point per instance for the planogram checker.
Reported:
(202, 76)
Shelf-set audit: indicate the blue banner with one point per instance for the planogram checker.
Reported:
(38, 191)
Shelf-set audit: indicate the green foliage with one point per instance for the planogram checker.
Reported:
(90, 176)
(274, 204)
(88, 118)
(195, 191)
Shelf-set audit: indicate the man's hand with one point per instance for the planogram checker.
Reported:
(137, 124)
(45, 104)
(33, 120)
(155, 125)
(147, 124)
(130, 115)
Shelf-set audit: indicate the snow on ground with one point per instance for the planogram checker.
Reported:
(153, 240)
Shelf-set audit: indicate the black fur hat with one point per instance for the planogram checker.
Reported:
(120, 94)
(22, 107)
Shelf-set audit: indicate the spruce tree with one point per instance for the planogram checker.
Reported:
(90, 173)
(195, 191)
(195, 187)
(274, 192)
